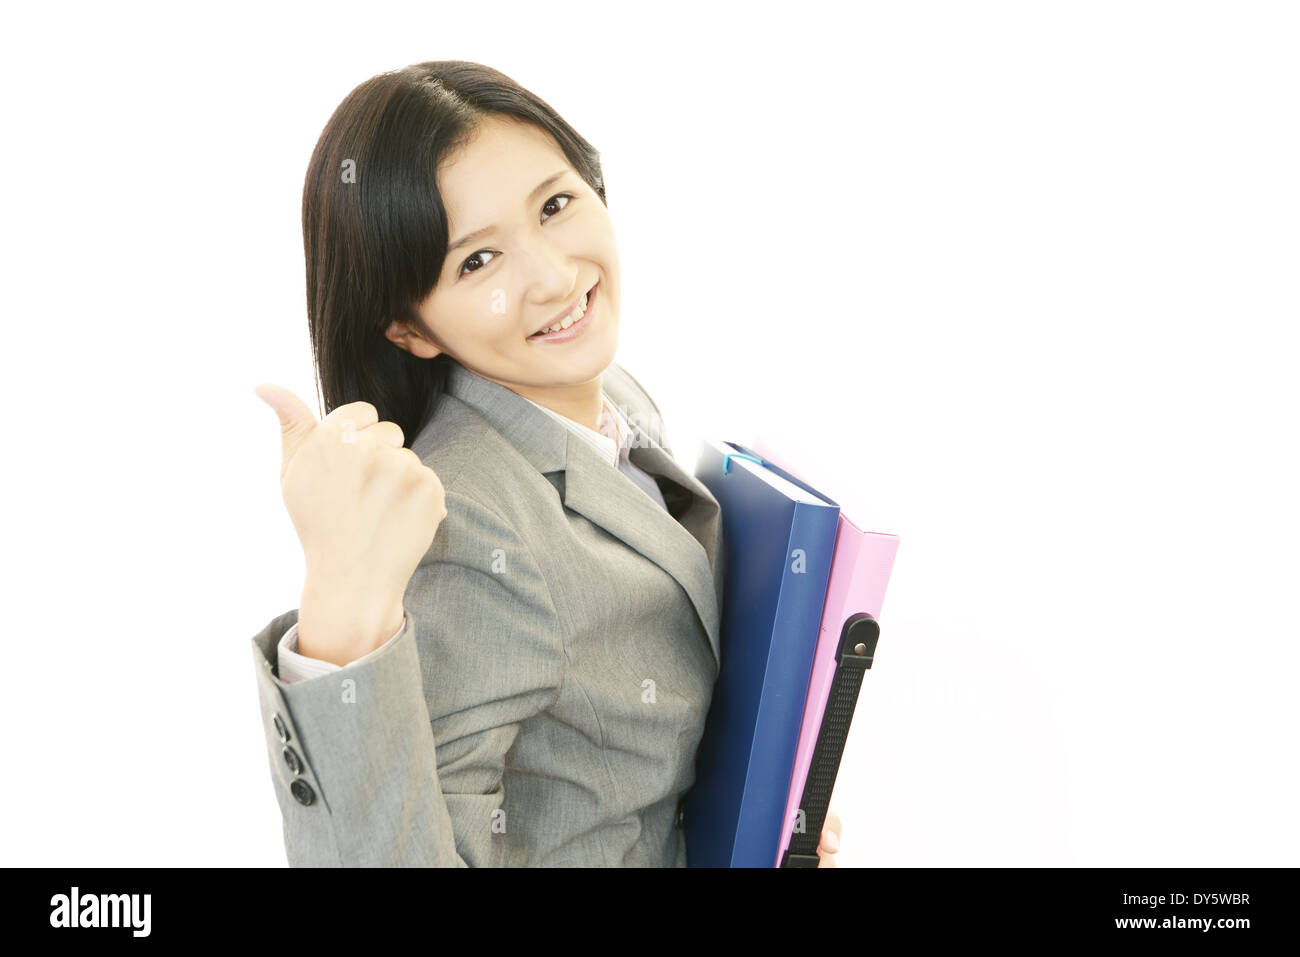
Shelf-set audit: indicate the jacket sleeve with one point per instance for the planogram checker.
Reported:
(398, 759)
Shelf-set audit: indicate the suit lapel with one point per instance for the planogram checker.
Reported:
(702, 520)
(612, 500)
(688, 547)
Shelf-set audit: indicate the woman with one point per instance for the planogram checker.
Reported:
(508, 633)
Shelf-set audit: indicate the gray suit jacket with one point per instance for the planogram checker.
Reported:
(544, 700)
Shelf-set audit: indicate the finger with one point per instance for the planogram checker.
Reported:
(360, 414)
(826, 861)
(387, 434)
(348, 421)
(830, 842)
(832, 822)
(296, 419)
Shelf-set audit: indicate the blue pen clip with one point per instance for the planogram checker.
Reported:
(726, 462)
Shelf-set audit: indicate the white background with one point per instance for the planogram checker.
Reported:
(1015, 281)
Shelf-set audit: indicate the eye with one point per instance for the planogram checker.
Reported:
(564, 196)
(477, 257)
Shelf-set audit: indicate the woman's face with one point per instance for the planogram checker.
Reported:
(529, 238)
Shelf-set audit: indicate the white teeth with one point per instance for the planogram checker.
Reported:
(579, 311)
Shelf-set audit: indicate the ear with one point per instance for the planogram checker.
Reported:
(402, 335)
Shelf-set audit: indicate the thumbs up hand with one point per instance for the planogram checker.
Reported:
(365, 510)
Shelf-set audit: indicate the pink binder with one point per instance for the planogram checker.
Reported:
(859, 576)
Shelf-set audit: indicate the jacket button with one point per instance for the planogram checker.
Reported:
(281, 729)
(681, 813)
(291, 758)
(302, 792)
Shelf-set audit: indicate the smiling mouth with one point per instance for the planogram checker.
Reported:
(558, 331)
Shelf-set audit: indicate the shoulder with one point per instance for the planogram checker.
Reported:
(494, 495)
(473, 460)
(499, 511)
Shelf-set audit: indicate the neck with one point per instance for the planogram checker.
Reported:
(580, 403)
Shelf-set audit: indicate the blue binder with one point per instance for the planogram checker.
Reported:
(778, 541)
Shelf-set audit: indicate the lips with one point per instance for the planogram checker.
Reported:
(563, 315)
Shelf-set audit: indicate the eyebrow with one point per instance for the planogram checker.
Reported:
(470, 237)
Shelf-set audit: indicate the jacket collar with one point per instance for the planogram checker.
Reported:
(612, 435)
(688, 547)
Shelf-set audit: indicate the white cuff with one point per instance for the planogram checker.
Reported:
(295, 667)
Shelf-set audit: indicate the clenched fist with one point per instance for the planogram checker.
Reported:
(365, 509)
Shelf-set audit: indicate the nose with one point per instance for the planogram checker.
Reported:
(553, 275)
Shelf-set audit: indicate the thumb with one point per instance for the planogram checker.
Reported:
(296, 419)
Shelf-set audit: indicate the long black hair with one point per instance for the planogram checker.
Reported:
(375, 231)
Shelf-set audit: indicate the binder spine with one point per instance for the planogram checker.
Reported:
(789, 669)
(853, 657)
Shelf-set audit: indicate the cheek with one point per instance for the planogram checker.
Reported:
(474, 316)
(608, 241)
(448, 324)
(597, 231)
(434, 328)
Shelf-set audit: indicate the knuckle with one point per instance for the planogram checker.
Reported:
(360, 413)
(428, 480)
